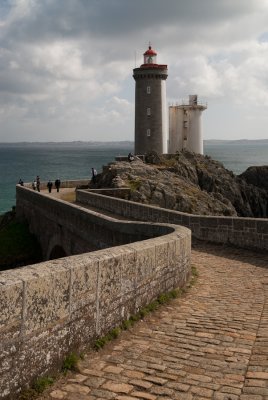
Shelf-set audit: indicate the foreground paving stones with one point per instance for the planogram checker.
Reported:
(210, 344)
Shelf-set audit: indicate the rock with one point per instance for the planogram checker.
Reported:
(190, 183)
(257, 176)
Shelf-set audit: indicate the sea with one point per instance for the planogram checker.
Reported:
(74, 160)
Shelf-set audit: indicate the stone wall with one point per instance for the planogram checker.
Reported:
(64, 184)
(75, 229)
(120, 193)
(55, 307)
(243, 232)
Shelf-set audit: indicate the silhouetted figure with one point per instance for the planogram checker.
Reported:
(57, 184)
(49, 186)
(130, 157)
(38, 183)
(93, 175)
(21, 182)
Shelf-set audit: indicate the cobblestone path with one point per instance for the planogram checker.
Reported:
(212, 343)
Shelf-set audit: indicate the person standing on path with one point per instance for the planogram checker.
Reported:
(49, 185)
(34, 185)
(130, 157)
(93, 175)
(57, 184)
(38, 183)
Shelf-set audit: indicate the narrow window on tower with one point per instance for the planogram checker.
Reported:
(148, 132)
(148, 111)
(148, 89)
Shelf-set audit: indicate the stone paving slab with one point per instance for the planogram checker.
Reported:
(210, 344)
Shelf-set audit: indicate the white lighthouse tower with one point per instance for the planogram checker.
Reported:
(185, 126)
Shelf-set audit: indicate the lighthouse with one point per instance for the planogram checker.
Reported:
(151, 125)
(185, 126)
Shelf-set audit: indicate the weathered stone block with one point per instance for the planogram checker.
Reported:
(145, 261)
(161, 255)
(262, 226)
(84, 277)
(208, 221)
(11, 305)
(47, 292)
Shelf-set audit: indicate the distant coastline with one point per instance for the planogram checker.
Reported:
(77, 143)
(236, 141)
(74, 159)
(126, 143)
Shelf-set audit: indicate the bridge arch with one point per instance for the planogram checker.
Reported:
(57, 252)
(55, 248)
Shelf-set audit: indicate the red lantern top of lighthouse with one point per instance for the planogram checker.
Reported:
(150, 56)
(150, 59)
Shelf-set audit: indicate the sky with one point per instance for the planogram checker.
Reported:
(66, 65)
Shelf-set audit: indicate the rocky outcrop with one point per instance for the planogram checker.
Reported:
(257, 176)
(189, 183)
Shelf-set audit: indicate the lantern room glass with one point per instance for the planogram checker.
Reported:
(150, 59)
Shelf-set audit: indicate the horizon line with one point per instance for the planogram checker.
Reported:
(122, 141)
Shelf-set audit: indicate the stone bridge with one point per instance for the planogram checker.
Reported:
(112, 268)
(108, 269)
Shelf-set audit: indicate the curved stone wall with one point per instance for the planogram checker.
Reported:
(75, 229)
(242, 232)
(55, 307)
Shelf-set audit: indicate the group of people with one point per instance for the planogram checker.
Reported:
(57, 185)
(36, 184)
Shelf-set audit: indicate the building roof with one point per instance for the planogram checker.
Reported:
(150, 52)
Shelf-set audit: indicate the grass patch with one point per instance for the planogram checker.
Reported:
(134, 184)
(194, 276)
(37, 388)
(70, 362)
(42, 383)
(18, 246)
(163, 298)
(113, 334)
(127, 324)
(170, 163)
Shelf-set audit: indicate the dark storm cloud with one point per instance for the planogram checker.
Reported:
(66, 59)
(49, 19)
(112, 29)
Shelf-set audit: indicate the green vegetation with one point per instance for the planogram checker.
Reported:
(170, 163)
(154, 305)
(162, 299)
(37, 388)
(101, 342)
(70, 362)
(43, 383)
(134, 184)
(18, 246)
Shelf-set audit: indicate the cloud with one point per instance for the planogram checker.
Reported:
(68, 64)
